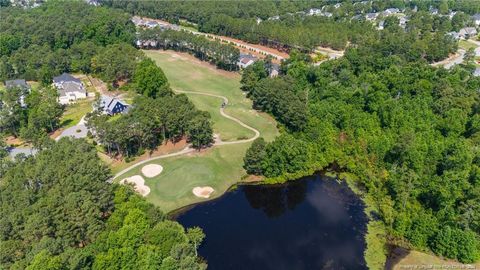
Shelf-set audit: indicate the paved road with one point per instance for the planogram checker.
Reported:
(450, 62)
(189, 149)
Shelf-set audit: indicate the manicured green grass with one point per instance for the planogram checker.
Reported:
(186, 74)
(221, 166)
(74, 112)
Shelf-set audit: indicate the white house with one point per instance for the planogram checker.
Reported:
(70, 89)
(314, 11)
(274, 70)
(246, 60)
(476, 19)
(371, 16)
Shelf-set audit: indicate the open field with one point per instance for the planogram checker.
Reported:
(218, 167)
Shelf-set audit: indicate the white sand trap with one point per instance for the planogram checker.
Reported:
(152, 170)
(138, 183)
(202, 192)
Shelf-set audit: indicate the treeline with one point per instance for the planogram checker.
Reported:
(30, 115)
(198, 11)
(58, 212)
(300, 32)
(156, 116)
(39, 43)
(404, 132)
(282, 97)
(224, 56)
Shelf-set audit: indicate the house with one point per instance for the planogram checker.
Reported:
(371, 16)
(326, 14)
(111, 105)
(149, 43)
(23, 85)
(314, 11)
(454, 35)
(433, 11)
(390, 11)
(467, 32)
(476, 19)
(357, 17)
(274, 70)
(246, 60)
(93, 2)
(403, 21)
(476, 72)
(69, 88)
(381, 25)
(151, 24)
(452, 13)
(17, 83)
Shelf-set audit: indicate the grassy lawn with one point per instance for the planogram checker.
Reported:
(218, 167)
(465, 44)
(74, 112)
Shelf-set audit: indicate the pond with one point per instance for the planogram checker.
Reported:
(311, 223)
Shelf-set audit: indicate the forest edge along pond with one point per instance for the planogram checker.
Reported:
(311, 223)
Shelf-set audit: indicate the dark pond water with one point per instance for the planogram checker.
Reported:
(311, 223)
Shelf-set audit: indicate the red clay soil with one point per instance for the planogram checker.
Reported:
(11, 140)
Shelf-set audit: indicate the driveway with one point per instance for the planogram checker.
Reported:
(27, 151)
(78, 131)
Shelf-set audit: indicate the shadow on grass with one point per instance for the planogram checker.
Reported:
(65, 123)
(395, 255)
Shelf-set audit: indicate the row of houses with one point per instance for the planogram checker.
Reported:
(71, 90)
(147, 23)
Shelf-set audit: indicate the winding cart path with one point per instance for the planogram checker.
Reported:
(188, 149)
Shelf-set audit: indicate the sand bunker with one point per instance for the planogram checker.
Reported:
(202, 192)
(138, 183)
(152, 170)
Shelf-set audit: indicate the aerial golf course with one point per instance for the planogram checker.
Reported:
(220, 166)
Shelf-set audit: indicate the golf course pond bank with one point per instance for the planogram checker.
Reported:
(311, 223)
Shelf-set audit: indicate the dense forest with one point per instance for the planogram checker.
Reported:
(198, 11)
(30, 115)
(40, 43)
(224, 56)
(405, 132)
(58, 212)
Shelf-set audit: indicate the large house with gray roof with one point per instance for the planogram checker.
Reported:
(70, 89)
